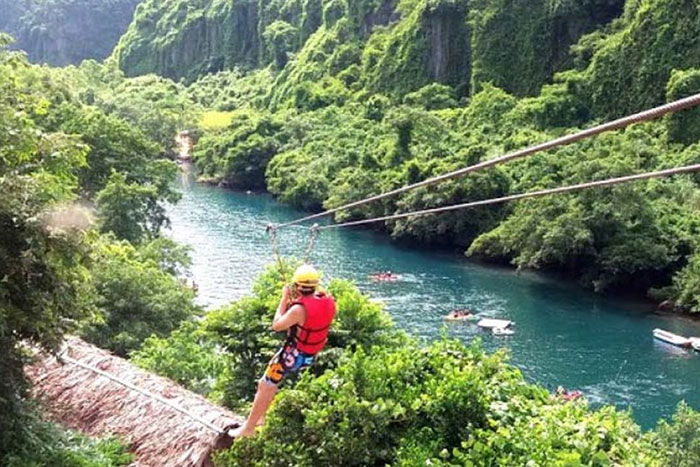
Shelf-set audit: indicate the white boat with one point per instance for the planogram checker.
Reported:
(489, 323)
(671, 338)
(502, 332)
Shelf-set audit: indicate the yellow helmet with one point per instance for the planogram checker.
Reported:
(306, 276)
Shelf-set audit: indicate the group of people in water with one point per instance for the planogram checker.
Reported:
(383, 276)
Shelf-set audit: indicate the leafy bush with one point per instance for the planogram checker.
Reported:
(187, 356)
(679, 441)
(432, 97)
(442, 405)
(50, 445)
(240, 154)
(685, 291)
(133, 211)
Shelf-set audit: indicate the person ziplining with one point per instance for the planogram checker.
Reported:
(306, 313)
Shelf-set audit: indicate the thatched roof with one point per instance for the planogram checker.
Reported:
(156, 433)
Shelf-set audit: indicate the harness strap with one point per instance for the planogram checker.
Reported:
(305, 340)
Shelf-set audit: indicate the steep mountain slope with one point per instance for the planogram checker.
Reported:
(185, 38)
(397, 46)
(63, 32)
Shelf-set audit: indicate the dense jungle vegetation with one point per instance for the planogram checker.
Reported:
(84, 186)
(321, 102)
(334, 101)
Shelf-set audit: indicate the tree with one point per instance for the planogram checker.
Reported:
(133, 211)
(135, 297)
(44, 286)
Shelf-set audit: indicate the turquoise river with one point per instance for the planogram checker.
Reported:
(564, 335)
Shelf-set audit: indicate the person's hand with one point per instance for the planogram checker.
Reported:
(286, 295)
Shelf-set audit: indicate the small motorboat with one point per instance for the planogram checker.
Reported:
(459, 315)
(490, 323)
(671, 338)
(502, 331)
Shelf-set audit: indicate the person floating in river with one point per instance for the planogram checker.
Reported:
(306, 314)
(458, 315)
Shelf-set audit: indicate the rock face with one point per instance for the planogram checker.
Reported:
(518, 45)
(66, 32)
(388, 46)
(431, 44)
(179, 39)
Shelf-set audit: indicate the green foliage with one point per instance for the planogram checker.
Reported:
(133, 211)
(426, 45)
(432, 97)
(231, 90)
(631, 66)
(51, 445)
(159, 107)
(442, 405)
(44, 285)
(135, 296)
(519, 44)
(168, 37)
(55, 272)
(239, 155)
(686, 286)
(604, 237)
(683, 127)
(188, 356)
(679, 441)
(114, 145)
(279, 39)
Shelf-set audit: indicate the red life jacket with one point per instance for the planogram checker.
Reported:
(312, 336)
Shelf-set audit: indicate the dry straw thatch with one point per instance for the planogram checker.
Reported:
(157, 434)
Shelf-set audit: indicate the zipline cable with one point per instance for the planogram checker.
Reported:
(533, 194)
(650, 114)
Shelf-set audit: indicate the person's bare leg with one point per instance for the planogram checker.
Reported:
(263, 399)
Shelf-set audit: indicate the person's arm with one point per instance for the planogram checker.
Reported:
(295, 315)
(286, 317)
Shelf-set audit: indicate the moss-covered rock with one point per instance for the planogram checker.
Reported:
(518, 45)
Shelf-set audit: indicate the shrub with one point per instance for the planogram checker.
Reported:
(443, 405)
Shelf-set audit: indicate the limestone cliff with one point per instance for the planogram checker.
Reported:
(63, 32)
(388, 46)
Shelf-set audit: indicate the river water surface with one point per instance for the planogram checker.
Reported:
(563, 335)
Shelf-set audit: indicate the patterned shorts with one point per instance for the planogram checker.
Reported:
(288, 359)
